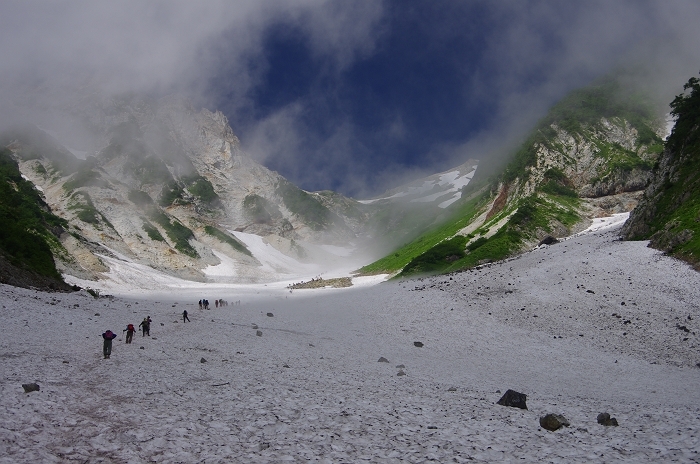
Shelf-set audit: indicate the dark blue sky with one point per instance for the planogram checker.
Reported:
(355, 96)
(440, 81)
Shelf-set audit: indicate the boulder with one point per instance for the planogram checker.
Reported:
(30, 387)
(202, 360)
(548, 240)
(418, 344)
(270, 315)
(383, 360)
(553, 422)
(513, 399)
(605, 419)
(259, 333)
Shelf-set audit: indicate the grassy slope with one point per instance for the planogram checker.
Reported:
(401, 257)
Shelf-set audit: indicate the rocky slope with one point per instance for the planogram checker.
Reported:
(669, 212)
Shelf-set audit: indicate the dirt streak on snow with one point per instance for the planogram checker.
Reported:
(310, 387)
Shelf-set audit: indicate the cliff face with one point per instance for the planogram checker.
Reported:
(605, 158)
(669, 212)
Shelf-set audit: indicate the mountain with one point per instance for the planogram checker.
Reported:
(591, 155)
(162, 184)
(167, 186)
(669, 212)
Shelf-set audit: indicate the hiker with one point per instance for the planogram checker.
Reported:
(129, 332)
(107, 346)
(146, 326)
(200, 304)
(216, 303)
(184, 317)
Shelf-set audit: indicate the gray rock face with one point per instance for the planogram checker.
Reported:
(587, 159)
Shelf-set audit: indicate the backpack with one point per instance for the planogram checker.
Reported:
(130, 328)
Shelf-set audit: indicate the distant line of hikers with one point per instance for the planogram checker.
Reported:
(204, 303)
(145, 326)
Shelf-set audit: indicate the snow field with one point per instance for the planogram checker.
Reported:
(310, 387)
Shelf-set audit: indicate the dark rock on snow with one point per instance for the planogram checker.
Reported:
(270, 315)
(383, 360)
(30, 387)
(202, 360)
(513, 399)
(418, 344)
(553, 422)
(259, 333)
(605, 419)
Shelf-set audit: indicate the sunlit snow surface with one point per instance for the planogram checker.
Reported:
(585, 326)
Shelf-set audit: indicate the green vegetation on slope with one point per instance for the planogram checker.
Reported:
(85, 210)
(152, 232)
(405, 254)
(304, 206)
(226, 238)
(178, 234)
(170, 194)
(201, 188)
(258, 210)
(85, 176)
(26, 222)
(534, 216)
(583, 108)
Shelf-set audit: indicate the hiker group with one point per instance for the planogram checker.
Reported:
(145, 326)
(108, 335)
(220, 303)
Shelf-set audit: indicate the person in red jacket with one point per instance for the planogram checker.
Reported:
(107, 346)
(129, 332)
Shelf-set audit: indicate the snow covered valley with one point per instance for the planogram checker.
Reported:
(585, 326)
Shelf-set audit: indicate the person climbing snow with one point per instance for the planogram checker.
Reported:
(146, 326)
(129, 332)
(184, 317)
(107, 346)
